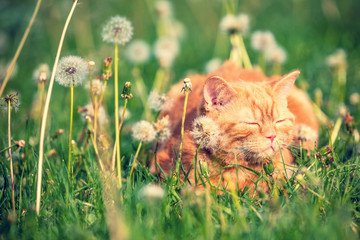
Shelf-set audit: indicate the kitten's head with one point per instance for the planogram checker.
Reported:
(254, 119)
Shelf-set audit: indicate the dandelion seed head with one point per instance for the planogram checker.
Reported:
(87, 112)
(159, 102)
(306, 133)
(162, 128)
(71, 70)
(235, 24)
(138, 52)
(206, 132)
(117, 30)
(13, 98)
(262, 40)
(42, 73)
(143, 131)
(337, 59)
(275, 54)
(213, 65)
(342, 110)
(97, 87)
(152, 192)
(165, 50)
(163, 9)
(355, 98)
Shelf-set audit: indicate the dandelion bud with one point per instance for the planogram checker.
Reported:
(268, 166)
(205, 133)
(204, 168)
(143, 131)
(106, 71)
(187, 85)
(20, 143)
(91, 65)
(126, 93)
(51, 153)
(349, 123)
(56, 134)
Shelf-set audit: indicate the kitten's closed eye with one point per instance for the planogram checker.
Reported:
(251, 123)
(280, 121)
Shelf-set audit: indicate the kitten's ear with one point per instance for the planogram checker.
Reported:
(217, 92)
(283, 86)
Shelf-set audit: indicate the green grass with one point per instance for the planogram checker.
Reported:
(322, 205)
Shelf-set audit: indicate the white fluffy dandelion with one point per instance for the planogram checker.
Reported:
(152, 192)
(117, 30)
(235, 24)
(355, 98)
(275, 54)
(213, 65)
(165, 50)
(41, 73)
(138, 51)
(163, 9)
(162, 128)
(143, 131)
(159, 102)
(206, 132)
(262, 40)
(71, 70)
(337, 59)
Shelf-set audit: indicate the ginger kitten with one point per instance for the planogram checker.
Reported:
(255, 116)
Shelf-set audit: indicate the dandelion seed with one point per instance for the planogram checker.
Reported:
(163, 9)
(159, 102)
(166, 49)
(162, 128)
(117, 30)
(13, 98)
(143, 131)
(232, 24)
(262, 40)
(213, 65)
(71, 70)
(337, 59)
(205, 132)
(355, 98)
(138, 52)
(152, 192)
(275, 54)
(42, 73)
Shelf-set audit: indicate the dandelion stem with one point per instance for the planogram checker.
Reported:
(21, 45)
(46, 109)
(120, 126)
(117, 137)
(97, 153)
(182, 133)
(7, 148)
(70, 129)
(95, 116)
(136, 155)
(244, 55)
(10, 158)
(91, 90)
(235, 54)
(42, 95)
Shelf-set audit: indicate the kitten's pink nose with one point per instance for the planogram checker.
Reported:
(271, 137)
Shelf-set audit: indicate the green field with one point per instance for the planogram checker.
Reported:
(321, 201)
